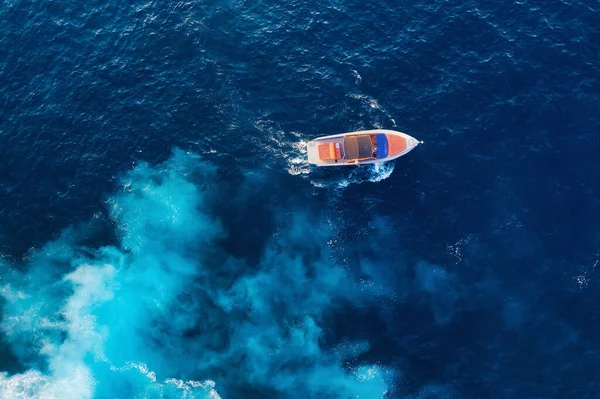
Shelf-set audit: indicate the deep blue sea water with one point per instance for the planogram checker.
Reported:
(162, 235)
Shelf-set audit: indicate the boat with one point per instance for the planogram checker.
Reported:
(360, 148)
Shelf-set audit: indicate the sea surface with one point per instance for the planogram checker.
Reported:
(162, 235)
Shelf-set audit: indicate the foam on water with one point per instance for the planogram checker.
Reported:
(507, 95)
(296, 159)
(162, 311)
(290, 147)
(368, 173)
(324, 177)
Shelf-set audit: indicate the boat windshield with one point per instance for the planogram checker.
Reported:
(381, 145)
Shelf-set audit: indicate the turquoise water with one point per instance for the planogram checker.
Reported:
(162, 235)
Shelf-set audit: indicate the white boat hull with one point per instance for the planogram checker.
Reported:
(352, 148)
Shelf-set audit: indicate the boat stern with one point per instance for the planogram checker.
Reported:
(312, 153)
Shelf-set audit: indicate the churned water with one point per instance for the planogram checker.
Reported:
(162, 235)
